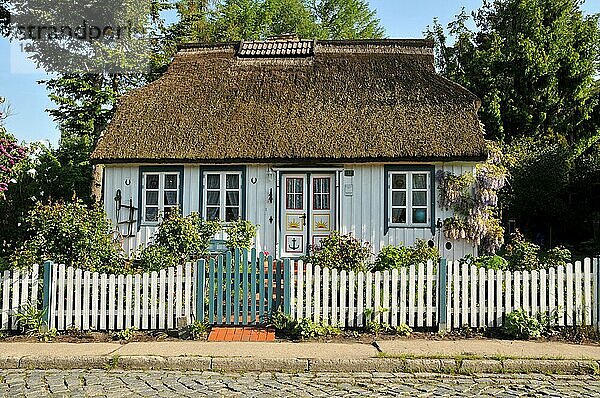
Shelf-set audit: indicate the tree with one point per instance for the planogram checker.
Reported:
(533, 64)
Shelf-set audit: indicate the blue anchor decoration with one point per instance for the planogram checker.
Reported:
(294, 246)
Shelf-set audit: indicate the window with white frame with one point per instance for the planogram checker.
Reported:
(409, 200)
(160, 194)
(222, 196)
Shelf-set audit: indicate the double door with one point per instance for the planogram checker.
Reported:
(307, 211)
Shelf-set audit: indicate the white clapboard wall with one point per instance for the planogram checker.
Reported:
(149, 301)
(351, 299)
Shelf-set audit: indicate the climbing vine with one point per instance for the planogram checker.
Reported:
(473, 197)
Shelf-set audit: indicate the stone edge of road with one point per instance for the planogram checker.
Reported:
(297, 365)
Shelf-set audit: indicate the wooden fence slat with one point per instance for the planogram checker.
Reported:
(411, 295)
(420, 295)
(326, 296)
(560, 295)
(578, 294)
(245, 286)
(15, 298)
(60, 311)
(499, 303)
(343, 287)
(95, 300)
(170, 294)
(490, 297)
(87, 276)
(162, 295)
(270, 285)
(394, 296)
(386, 297)
(317, 291)
(569, 298)
(78, 298)
(178, 293)
(517, 290)
(35, 276)
(351, 297)
(24, 293)
(120, 301)
(543, 291)
(481, 298)
(403, 285)
(261, 287)
(587, 292)
(377, 297)
(308, 291)
(5, 299)
(594, 303)
(112, 300)
(300, 290)
(104, 317)
(534, 292)
(508, 293)
(69, 302)
(236, 287)
(146, 300)
(360, 308)
(294, 291)
(137, 301)
(153, 299)
(429, 294)
(253, 271)
(455, 291)
(128, 301)
(334, 296)
(473, 300)
(552, 294)
(464, 295)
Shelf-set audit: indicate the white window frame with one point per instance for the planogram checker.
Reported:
(409, 198)
(161, 194)
(223, 192)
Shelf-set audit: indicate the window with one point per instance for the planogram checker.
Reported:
(409, 200)
(222, 195)
(160, 194)
(321, 193)
(294, 193)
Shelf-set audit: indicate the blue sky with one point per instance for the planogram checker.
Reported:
(30, 122)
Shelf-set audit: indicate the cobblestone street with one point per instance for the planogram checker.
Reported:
(97, 383)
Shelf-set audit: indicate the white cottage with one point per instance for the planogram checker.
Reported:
(301, 137)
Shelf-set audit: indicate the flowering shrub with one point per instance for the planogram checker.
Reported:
(342, 252)
(403, 256)
(473, 198)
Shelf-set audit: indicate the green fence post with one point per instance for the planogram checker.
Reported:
(200, 290)
(443, 295)
(46, 298)
(287, 302)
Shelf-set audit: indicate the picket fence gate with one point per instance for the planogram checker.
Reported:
(246, 288)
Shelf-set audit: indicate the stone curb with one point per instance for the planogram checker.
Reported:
(296, 365)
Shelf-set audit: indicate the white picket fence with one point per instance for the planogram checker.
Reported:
(475, 297)
(482, 297)
(347, 299)
(148, 301)
(18, 288)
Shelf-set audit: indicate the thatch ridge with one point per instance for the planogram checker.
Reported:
(375, 100)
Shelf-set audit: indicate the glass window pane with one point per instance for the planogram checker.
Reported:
(325, 202)
(419, 181)
(171, 181)
(298, 201)
(298, 185)
(212, 213)
(317, 185)
(399, 198)
(326, 185)
(171, 198)
(152, 197)
(419, 198)
(398, 181)
(213, 198)
(419, 216)
(213, 181)
(232, 181)
(151, 214)
(289, 201)
(233, 198)
(318, 205)
(151, 181)
(232, 213)
(398, 216)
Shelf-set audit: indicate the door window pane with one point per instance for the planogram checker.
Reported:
(151, 181)
(213, 198)
(152, 198)
(170, 198)
(233, 181)
(213, 181)
(171, 181)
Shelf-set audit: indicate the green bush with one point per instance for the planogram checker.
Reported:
(556, 256)
(494, 262)
(70, 233)
(342, 252)
(289, 328)
(391, 257)
(240, 234)
(520, 325)
(522, 254)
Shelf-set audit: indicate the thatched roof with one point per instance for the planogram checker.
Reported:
(328, 101)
